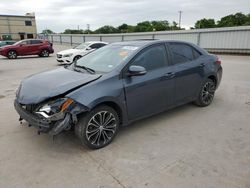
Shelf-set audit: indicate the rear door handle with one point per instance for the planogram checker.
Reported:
(168, 75)
(202, 65)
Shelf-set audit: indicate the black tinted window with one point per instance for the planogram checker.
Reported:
(97, 45)
(181, 53)
(36, 42)
(152, 58)
(196, 54)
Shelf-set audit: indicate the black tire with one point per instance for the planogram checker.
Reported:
(76, 58)
(98, 128)
(12, 54)
(44, 53)
(206, 94)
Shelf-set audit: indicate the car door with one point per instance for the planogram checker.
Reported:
(188, 71)
(23, 48)
(34, 47)
(153, 92)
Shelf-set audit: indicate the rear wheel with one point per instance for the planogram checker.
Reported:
(206, 94)
(12, 54)
(44, 53)
(98, 128)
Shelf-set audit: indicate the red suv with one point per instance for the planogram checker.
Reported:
(27, 47)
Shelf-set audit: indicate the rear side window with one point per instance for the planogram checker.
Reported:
(183, 53)
(152, 58)
(36, 42)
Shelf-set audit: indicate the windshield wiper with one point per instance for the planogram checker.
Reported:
(91, 71)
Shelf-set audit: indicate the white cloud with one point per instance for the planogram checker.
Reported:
(61, 14)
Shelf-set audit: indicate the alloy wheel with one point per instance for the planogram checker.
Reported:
(12, 55)
(45, 53)
(207, 94)
(101, 128)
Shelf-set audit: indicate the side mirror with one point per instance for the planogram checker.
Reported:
(136, 70)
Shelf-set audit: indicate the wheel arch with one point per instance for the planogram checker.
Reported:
(214, 78)
(113, 105)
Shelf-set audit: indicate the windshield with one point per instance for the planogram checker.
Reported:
(82, 46)
(106, 58)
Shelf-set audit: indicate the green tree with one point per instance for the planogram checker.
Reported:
(160, 25)
(73, 31)
(237, 19)
(144, 27)
(107, 29)
(205, 23)
(174, 26)
(47, 31)
(125, 28)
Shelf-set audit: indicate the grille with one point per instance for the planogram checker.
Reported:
(29, 107)
(59, 55)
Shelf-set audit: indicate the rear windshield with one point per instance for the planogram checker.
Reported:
(107, 58)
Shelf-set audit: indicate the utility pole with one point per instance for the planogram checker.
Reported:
(88, 28)
(180, 12)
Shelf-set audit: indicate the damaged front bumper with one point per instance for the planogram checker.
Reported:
(54, 124)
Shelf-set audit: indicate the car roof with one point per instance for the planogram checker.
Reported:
(92, 42)
(143, 42)
(147, 42)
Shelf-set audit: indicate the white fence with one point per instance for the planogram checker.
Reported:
(224, 40)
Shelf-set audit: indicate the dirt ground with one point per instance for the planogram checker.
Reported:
(185, 147)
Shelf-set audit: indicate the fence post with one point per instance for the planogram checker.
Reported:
(198, 38)
(71, 40)
(122, 37)
(52, 38)
(153, 36)
(60, 39)
(83, 38)
(100, 38)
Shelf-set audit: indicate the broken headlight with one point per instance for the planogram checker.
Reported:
(54, 107)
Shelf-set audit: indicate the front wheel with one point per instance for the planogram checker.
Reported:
(76, 58)
(12, 54)
(206, 94)
(98, 128)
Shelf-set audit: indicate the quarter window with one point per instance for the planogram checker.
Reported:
(183, 53)
(152, 58)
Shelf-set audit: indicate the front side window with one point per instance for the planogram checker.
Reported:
(82, 46)
(97, 45)
(152, 58)
(181, 53)
(107, 58)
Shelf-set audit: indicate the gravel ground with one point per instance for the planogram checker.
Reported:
(185, 147)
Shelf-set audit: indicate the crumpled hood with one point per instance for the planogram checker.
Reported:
(41, 86)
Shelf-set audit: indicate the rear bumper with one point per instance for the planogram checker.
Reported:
(219, 76)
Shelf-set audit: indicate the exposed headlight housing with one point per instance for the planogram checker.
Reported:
(54, 107)
(68, 55)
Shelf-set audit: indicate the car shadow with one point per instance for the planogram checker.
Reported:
(24, 57)
(67, 141)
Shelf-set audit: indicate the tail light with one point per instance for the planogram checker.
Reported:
(218, 61)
